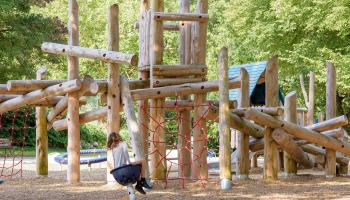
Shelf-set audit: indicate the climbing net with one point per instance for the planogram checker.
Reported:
(13, 129)
(168, 143)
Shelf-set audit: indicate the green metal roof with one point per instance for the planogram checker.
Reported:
(254, 70)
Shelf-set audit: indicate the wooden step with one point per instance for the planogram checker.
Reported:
(179, 70)
(161, 82)
(180, 17)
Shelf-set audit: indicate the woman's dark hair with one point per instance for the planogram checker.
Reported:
(113, 140)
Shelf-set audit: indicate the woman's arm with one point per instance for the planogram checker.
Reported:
(110, 163)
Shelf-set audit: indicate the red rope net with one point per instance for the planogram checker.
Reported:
(13, 128)
(169, 157)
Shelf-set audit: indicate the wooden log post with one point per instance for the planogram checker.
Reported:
(113, 91)
(73, 147)
(158, 166)
(224, 123)
(133, 127)
(242, 171)
(309, 98)
(41, 133)
(331, 108)
(185, 126)
(290, 115)
(271, 99)
(200, 149)
(288, 145)
(299, 132)
(143, 105)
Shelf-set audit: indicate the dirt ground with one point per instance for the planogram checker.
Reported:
(304, 186)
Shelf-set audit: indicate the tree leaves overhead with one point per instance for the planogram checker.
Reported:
(21, 35)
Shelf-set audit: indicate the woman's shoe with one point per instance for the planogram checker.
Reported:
(144, 183)
(139, 188)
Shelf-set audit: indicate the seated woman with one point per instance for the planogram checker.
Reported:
(119, 151)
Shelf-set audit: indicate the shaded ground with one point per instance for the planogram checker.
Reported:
(304, 186)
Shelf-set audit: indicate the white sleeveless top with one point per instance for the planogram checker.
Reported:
(120, 155)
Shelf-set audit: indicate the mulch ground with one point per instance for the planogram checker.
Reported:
(308, 185)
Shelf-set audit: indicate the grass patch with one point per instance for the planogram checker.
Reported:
(30, 151)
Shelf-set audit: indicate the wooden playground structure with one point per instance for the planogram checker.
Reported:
(272, 130)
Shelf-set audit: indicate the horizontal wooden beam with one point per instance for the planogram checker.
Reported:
(32, 97)
(161, 82)
(240, 124)
(273, 111)
(299, 132)
(179, 70)
(314, 150)
(24, 86)
(180, 17)
(330, 124)
(83, 118)
(166, 26)
(181, 90)
(99, 54)
(88, 85)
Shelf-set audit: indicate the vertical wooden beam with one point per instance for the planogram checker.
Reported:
(271, 100)
(242, 171)
(143, 105)
(311, 106)
(158, 147)
(331, 108)
(224, 121)
(290, 115)
(184, 139)
(41, 133)
(200, 149)
(113, 90)
(73, 171)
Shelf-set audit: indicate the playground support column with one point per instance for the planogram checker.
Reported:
(113, 90)
(184, 146)
(311, 106)
(243, 138)
(224, 121)
(290, 115)
(41, 133)
(331, 104)
(73, 149)
(158, 147)
(143, 105)
(200, 131)
(271, 100)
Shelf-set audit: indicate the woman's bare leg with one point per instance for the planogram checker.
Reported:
(142, 163)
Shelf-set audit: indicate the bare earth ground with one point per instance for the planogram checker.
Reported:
(304, 186)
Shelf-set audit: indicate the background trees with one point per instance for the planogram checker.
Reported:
(304, 34)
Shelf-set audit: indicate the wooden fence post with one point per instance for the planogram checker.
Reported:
(271, 100)
(113, 89)
(242, 171)
(224, 123)
(41, 133)
(331, 109)
(290, 115)
(200, 131)
(184, 137)
(143, 105)
(73, 170)
(158, 146)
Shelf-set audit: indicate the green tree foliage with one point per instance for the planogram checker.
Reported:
(303, 33)
(21, 35)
